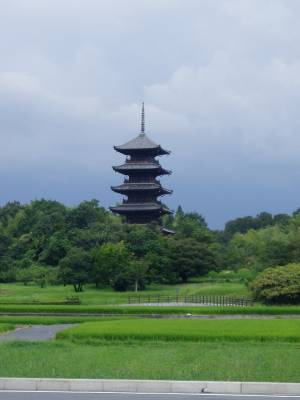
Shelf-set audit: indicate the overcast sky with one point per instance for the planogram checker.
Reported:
(221, 85)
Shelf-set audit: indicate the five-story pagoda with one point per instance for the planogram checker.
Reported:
(142, 186)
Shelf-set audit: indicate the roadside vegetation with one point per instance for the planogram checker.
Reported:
(243, 361)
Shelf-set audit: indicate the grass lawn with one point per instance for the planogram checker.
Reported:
(92, 296)
(244, 361)
(5, 327)
(185, 330)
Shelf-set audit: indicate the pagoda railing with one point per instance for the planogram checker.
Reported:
(142, 182)
(152, 161)
(191, 299)
(141, 202)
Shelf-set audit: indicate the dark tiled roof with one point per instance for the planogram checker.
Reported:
(141, 166)
(128, 187)
(141, 142)
(140, 207)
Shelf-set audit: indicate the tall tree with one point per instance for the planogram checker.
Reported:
(75, 268)
(110, 264)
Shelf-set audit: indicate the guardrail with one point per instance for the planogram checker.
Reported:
(192, 299)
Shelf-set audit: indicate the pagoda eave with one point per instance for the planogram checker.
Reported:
(137, 207)
(155, 151)
(131, 188)
(127, 168)
(132, 211)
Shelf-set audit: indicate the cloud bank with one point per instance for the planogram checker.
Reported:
(221, 83)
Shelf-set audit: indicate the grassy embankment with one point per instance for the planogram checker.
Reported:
(165, 349)
(145, 310)
(19, 293)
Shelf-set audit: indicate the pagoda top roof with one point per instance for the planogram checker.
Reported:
(141, 143)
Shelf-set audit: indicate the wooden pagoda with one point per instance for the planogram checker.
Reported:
(142, 188)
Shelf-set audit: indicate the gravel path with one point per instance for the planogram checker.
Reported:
(35, 332)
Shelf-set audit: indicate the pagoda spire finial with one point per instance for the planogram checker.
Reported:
(143, 120)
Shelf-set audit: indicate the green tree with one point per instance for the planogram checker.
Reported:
(110, 263)
(137, 273)
(55, 249)
(75, 268)
(190, 258)
(86, 213)
(140, 239)
(9, 211)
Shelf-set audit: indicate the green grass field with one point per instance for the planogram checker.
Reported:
(146, 310)
(186, 330)
(141, 348)
(92, 296)
(244, 361)
(5, 327)
(136, 348)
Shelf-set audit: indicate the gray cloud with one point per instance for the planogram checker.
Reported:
(220, 79)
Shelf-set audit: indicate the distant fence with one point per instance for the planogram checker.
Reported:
(192, 299)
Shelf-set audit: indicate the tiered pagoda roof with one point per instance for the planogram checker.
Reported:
(142, 187)
(140, 144)
(141, 166)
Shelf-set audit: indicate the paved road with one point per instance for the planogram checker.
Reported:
(35, 332)
(123, 396)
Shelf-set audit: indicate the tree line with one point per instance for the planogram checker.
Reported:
(48, 242)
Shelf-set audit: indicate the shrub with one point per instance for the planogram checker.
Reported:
(279, 285)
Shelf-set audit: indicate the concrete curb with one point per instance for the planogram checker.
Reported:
(149, 386)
